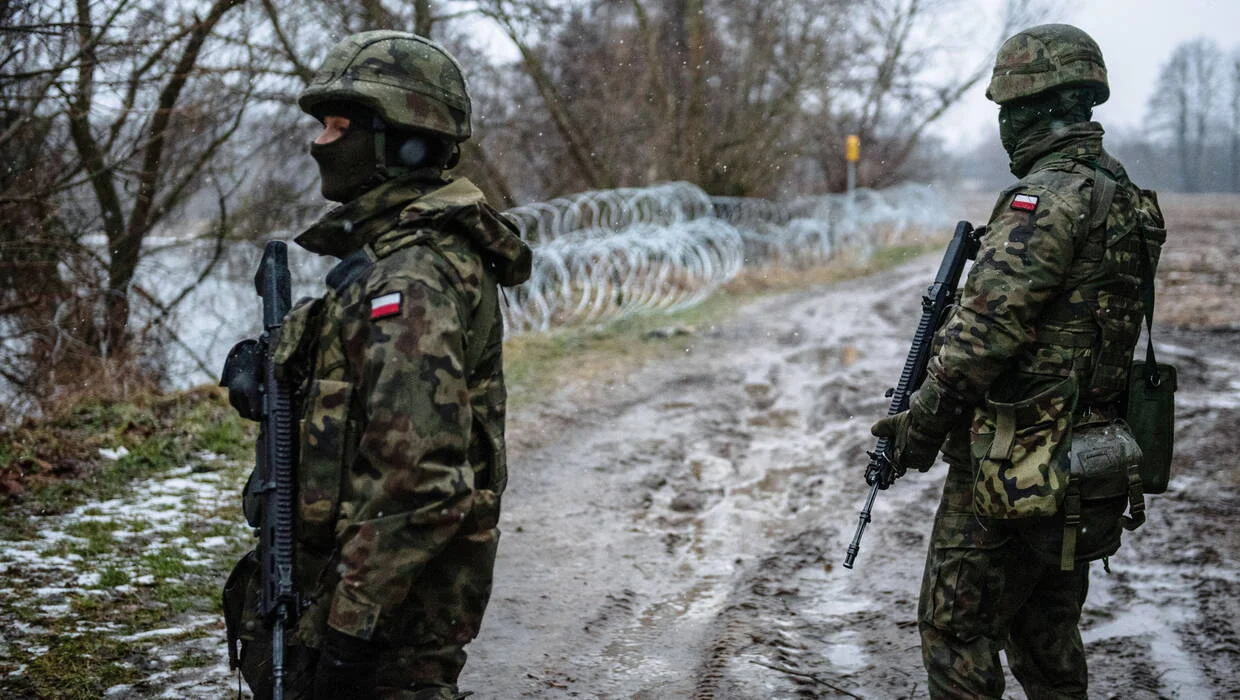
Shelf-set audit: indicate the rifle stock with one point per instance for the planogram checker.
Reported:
(881, 473)
(280, 605)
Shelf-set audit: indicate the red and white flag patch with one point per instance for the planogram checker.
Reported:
(1025, 202)
(385, 305)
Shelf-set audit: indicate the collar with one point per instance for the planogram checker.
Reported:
(348, 227)
(1081, 141)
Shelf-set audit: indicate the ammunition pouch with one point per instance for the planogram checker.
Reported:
(1019, 452)
(242, 621)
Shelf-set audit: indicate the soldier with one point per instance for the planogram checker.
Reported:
(401, 390)
(1038, 346)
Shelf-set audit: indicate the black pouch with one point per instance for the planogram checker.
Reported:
(1105, 463)
(240, 603)
(1150, 410)
(1104, 481)
(1151, 415)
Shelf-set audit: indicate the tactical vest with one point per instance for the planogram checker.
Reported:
(311, 353)
(1106, 286)
(1114, 284)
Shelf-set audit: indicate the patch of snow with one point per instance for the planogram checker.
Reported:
(216, 542)
(113, 454)
(90, 579)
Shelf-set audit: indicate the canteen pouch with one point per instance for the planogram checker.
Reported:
(1019, 453)
(1104, 480)
(1151, 415)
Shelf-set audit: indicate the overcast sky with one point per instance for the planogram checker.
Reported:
(1136, 37)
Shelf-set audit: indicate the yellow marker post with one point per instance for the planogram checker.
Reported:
(852, 154)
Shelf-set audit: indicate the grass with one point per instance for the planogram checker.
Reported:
(57, 464)
(79, 666)
(142, 581)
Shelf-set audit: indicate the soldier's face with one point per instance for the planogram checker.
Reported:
(333, 129)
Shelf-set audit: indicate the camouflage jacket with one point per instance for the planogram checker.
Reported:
(1024, 347)
(401, 398)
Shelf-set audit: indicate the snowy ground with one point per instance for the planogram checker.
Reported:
(132, 569)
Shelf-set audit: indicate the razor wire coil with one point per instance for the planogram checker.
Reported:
(607, 254)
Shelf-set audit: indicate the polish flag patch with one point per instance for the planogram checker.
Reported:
(1025, 202)
(384, 306)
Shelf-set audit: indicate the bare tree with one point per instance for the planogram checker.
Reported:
(117, 117)
(1185, 105)
(1233, 93)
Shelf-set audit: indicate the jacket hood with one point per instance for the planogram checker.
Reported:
(463, 207)
(457, 206)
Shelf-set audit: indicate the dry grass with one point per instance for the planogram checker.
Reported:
(1199, 276)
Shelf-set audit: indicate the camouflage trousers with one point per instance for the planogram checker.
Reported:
(403, 674)
(986, 591)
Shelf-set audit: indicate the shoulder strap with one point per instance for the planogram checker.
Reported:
(1102, 197)
(1147, 300)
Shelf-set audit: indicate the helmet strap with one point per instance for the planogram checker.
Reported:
(379, 129)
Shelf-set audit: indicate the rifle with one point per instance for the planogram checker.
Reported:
(279, 604)
(880, 474)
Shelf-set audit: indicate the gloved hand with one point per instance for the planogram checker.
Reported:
(346, 668)
(908, 448)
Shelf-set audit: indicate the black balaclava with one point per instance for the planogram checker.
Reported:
(369, 153)
(348, 166)
(1024, 125)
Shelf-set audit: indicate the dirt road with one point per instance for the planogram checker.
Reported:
(678, 532)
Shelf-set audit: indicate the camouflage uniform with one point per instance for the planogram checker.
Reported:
(401, 463)
(1018, 364)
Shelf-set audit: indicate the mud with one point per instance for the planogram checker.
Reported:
(679, 532)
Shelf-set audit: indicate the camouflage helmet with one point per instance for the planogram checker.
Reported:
(1045, 57)
(409, 81)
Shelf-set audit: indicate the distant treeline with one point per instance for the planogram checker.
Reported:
(1189, 140)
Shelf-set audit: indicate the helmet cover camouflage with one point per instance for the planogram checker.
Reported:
(1045, 57)
(410, 82)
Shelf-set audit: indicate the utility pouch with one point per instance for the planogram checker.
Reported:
(1151, 415)
(1019, 453)
(1151, 385)
(1105, 479)
(240, 603)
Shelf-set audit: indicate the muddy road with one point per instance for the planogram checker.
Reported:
(679, 531)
